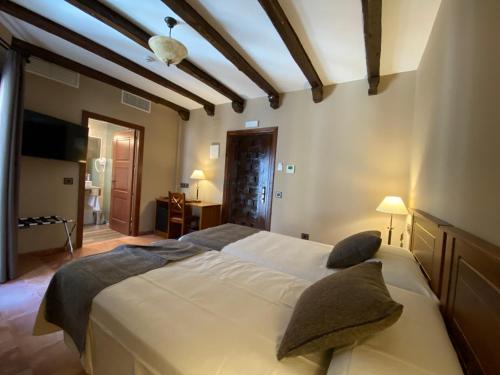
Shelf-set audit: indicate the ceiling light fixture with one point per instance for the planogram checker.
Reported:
(166, 48)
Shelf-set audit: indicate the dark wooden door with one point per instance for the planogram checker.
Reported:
(248, 184)
(121, 181)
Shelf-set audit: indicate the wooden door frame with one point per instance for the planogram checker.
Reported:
(272, 161)
(136, 180)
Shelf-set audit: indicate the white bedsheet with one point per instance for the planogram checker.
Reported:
(417, 344)
(307, 259)
(210, 314)
(217, 314)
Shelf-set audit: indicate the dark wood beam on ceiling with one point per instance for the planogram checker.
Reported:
(121, 24)
(97, 49)
(197, 22)
(292, 42)
(372, 20)
(32, 50)
(237, 102)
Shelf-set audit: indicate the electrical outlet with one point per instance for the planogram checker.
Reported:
(304, 236)
(68, 180)
(184, 185)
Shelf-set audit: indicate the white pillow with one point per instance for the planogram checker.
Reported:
(307, 259)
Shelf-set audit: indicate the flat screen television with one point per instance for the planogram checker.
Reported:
(51, 138)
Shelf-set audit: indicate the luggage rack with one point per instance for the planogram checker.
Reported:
(30, 222)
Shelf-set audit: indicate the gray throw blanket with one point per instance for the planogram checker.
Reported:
(69, 296)
(218, 237)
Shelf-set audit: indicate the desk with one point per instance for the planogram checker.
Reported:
(209, 215)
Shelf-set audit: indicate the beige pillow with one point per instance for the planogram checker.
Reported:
(339, 310)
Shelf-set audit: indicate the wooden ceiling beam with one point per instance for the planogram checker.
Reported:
(54, 58)
(197, 22)
(116, 21)
(292, 42)
(97, 49)
(372, 20)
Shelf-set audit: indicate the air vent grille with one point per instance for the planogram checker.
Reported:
(136, 102)
(54, 72)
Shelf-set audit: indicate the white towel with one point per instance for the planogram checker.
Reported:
(93, 200)
(97, 206)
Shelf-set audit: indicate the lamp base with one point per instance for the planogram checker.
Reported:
(390, 227)
(389, 238)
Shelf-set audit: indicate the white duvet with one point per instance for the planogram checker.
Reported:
(219, 314)
(307, 259)
(210, 314)
(225, 313)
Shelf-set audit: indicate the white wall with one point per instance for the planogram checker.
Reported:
(42, 189)
(350, 151)
(455, 173)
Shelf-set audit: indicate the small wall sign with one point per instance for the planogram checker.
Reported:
(214, 151)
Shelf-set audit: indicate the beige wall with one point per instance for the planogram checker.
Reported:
(456, 139)
(350, 151)
(42, 189)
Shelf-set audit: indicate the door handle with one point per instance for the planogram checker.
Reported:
(263, 195)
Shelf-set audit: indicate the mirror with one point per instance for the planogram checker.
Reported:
(93, 152)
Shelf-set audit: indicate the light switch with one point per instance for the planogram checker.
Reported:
(279, 194)
(290, 168)
(279, 168)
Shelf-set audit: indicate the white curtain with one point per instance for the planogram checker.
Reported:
(11, 113)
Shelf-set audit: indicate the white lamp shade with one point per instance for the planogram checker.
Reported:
(198, 175)
(167, 49)
(392, 205)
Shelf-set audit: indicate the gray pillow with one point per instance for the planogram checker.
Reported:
(339, 310)
(354, 249)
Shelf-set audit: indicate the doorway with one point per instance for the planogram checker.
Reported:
(110, 180)
(249, 177)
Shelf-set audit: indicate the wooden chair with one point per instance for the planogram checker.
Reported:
(177, 215)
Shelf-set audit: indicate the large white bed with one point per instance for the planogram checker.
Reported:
(226, 312)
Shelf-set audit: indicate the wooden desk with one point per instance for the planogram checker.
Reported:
(209, 215)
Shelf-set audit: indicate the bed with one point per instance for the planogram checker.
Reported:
(224, 312)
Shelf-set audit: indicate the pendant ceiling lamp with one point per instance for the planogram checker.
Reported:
(166, 48)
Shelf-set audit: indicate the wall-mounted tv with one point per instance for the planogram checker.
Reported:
(51, 138)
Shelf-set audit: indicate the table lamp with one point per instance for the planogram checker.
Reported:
(394, 206)
(198, 175)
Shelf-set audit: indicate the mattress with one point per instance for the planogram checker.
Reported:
(307, 260)
(218, 314)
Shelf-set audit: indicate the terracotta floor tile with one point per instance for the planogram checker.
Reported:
(54, 359)
(20, 352)
(7, 342)
(12, 362)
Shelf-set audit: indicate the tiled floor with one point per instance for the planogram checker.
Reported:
(99, 233)
(20, 352)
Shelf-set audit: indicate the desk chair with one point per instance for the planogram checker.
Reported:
(180, 220)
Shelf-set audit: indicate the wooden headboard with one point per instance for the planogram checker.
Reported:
(464, 272)
(428, 246)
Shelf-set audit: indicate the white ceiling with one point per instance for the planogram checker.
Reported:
(330, 30)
